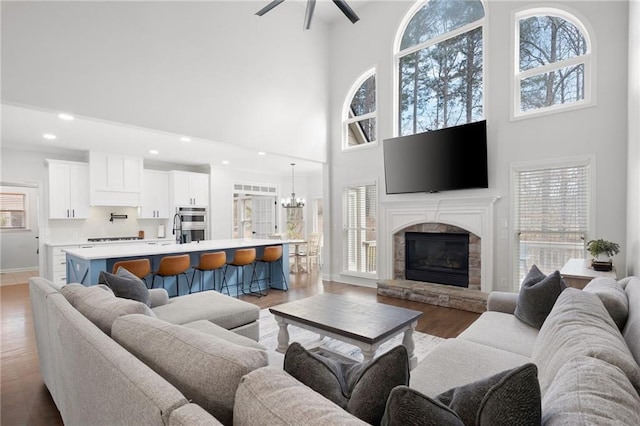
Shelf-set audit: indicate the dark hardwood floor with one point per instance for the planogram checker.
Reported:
(26, 401)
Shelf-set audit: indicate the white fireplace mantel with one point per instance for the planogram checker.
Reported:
(474, 214)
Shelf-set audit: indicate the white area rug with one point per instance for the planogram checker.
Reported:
(425, 343)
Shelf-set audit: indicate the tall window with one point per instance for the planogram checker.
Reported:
(553, 62)
(552, 207)
(13, 210)
(360, 228)
(360, 113)
(440, 71)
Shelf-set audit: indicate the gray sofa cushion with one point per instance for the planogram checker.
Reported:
(102, 307)
(537, 295)
(502, 331)
(361, 388)
(205, 368)
(631, 330)
(590, 391)
(511, 397)
(208, 327)
(126, 285)
(218, 308)
(580, 325)
(270, 396)
(192, 414)
(613, 298)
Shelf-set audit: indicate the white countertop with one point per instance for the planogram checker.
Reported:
(95, 243)
(142, 249)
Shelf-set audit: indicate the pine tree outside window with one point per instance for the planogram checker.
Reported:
(440, 66)
(360, 116)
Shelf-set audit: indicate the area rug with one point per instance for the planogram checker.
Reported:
(424, 343)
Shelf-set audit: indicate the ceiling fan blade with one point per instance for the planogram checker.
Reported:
(311, 5)
(268, 7)
(349, 13)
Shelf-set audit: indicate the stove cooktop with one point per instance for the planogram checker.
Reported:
(93, 240)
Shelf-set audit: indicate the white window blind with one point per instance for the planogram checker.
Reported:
(360, 228)
(552, 209)
(13, 210)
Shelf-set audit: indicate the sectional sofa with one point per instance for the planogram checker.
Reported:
(107, 363)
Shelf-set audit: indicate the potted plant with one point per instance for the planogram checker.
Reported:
(602, 250)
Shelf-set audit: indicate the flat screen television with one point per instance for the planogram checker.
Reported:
(439, 160)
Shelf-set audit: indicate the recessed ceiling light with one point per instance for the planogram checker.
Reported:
(225, 161)
(185, 139)
(154, 151)
(262, 153)
(67, 117)
(49, 136)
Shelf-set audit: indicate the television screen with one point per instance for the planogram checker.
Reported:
(439, 160)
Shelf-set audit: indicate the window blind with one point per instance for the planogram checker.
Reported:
(551, 216)
(361, 224)
(12, 210)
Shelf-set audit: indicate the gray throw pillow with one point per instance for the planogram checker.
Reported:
(511, 397)
(126, 285)
(538, 294)
(612, 296)
(361, 389)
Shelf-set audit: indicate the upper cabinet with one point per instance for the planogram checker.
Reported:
(116, 180)
(155, 195)
(68, 190)
(189, 189)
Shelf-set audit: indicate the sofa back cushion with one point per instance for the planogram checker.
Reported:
(631, 330)
(102, 307)
(205, 368)
(582, 393)
(613, 298)
(580, 325)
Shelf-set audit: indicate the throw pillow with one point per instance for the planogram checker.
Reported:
(511, 397)
(361, 389)
(612, 296)
(538, 294)
(126, 285)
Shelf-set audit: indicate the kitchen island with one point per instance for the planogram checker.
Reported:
(85, 264)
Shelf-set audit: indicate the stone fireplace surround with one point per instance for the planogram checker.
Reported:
(472, 214)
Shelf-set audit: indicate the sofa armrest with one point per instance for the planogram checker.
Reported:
(502, 301)
(158, 297)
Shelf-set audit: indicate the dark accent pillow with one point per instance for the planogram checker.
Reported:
(511, 397)
(361, 389)
(538, 294)
(125, 285)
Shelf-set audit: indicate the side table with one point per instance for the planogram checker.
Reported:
(578, 272)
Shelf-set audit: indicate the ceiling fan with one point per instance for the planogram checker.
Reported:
(311, 4)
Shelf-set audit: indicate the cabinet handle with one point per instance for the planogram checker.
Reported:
(73, 211)
(67, 212)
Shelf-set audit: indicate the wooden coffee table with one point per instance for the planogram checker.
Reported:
(365, 325)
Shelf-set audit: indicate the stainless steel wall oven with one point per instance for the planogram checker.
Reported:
(190, 224)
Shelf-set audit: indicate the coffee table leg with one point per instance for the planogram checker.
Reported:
(368, 351)
(407, 341)
(283, 335)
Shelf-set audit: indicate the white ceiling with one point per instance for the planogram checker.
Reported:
(23, 128)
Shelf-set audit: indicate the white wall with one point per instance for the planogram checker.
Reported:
(599, 130)
(211, 70)
(633, 188)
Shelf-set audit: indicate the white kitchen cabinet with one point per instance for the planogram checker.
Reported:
(115, 180)
(155, 195)
(68, 190)
(189, 189)
(57, 262)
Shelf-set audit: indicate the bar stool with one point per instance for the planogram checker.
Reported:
(138, 267)
(242, 258)
(173, 266)
(211, 262)
(271, 255)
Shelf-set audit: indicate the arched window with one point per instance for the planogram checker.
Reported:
(552, 62)
(359, 115)
(439, 53)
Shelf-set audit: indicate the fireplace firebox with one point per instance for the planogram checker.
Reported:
(437, 258)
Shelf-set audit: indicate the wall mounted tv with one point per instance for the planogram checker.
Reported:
(439, 160)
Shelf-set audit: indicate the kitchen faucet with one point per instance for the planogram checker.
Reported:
(177, 228)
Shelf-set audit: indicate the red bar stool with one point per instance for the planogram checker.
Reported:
(242, 258)
(211, 262)
(173, 266)
(271, 255)
(138, 267)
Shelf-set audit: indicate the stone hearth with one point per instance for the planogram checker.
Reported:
(435, 294)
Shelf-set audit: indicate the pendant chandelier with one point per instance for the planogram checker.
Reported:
(292, 202)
